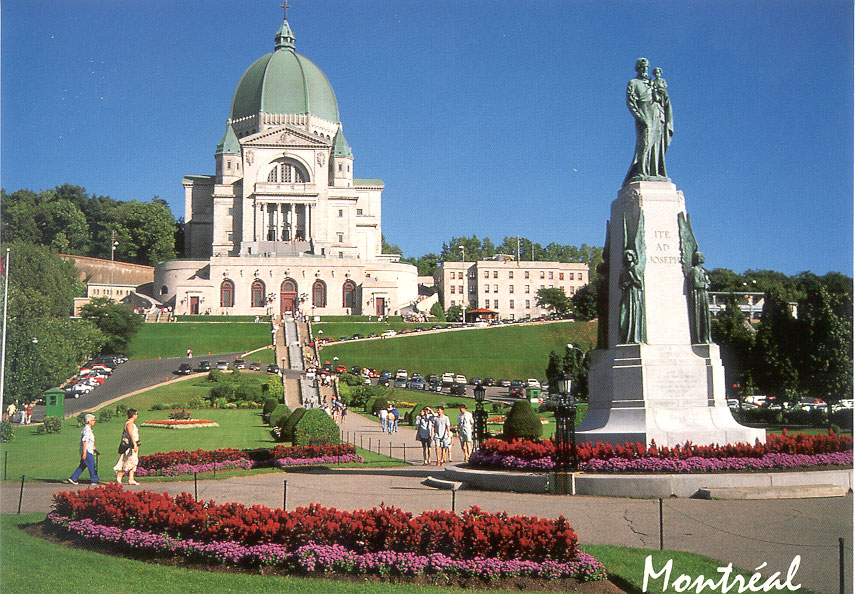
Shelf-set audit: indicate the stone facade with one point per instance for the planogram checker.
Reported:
(506, 286)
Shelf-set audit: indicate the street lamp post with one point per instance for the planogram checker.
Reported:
(462, 299)
(113, 245)
(480, 415)
(565, 426)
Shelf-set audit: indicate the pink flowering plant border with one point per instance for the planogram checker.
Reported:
(312, 558)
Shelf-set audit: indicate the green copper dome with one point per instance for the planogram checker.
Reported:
(284, 82)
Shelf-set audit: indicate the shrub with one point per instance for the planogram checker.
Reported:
(51, 425)
(81, 418)
(275, 389)
(7, 433)
(288, 428)
(410, 417)
(121, 410)
(359, 395)
(316, 427)
(378, 405)
(351, 380)
(279, 428)
(280, 411)
(268, 407)
(215, 375)
(522, 422)
(219, 402)
(105, 415)
(198, 402)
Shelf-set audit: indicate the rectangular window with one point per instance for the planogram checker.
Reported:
(526, 273)
(495, 304)
(460, 289)
(528, 288)
(572, 290)
(486, 288)
(472, 288)
(339, 166)
(560, 276)
(452, 289)
(341, 255)
(511, 304)
(340, 237)
(228, 164)
(486, 274)
(570, 275)
(510, 274)
(230, 236)
(231, 212)
(542, 274)
(340, 212)
(527, 304)
(495, 288)
(550, 275)
(452, 303)
(511, 289)
(495, 274)
(358, 211)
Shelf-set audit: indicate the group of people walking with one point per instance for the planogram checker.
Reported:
(434, 428)
(24, 414)
(128, 451)
(389, 419)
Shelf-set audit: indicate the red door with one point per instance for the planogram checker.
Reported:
(194, 305)
(288, 297)
(381, 305)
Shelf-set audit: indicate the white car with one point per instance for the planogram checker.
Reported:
(447, 379)
(389, 333)
(222, 365)
(459, 379)
(533, 382)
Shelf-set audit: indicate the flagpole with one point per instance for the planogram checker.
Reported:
(3, 351)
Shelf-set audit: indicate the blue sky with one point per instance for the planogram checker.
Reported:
(494, 118)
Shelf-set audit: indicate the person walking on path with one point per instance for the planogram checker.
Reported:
(465, 427)
(87, 452)
(441, 434)
(128, 450)
(384, 417)
(423, 430)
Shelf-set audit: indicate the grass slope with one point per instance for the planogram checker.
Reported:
(518, 351)
(173, 340)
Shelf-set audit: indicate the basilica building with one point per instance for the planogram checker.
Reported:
(283, 224)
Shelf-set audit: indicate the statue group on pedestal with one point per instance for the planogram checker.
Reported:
(648, 102)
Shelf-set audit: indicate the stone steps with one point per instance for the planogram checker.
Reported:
(779, 492)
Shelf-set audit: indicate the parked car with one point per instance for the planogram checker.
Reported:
(311, 374)
(386, 373)
(389, 333)
(341, 369)
(459, 379)
(533, 382)
(222, 366)
(273, 368)
(184, 369)
(517, 392)
(357, 337)
(458, 389)
(504, 383)
(475, 381)
(240, 364)
(204, 366)
(255, 366)
(401, 373)
(432, 378)
(434, 386)
(447, 379)
(401, 382)
(488, 381)
(356, 370)
(417, 383)
(384, 381)
(371, 372)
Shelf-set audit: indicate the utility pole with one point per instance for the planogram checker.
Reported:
(3, 348)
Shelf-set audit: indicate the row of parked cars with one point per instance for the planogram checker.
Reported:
(93, 374)
(204, 366)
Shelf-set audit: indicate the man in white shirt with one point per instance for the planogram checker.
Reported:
(441, 432)
(384, 415)
(87, 452)
(465, 430)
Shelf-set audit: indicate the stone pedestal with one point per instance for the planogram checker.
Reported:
(666, 389)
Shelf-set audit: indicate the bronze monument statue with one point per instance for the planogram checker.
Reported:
(648, 102)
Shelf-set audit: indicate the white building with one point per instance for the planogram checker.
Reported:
(283, 223)
(506, 286)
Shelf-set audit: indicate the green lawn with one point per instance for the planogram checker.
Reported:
(510, 352)
(173, 340)
(341, 328)
(105, 574)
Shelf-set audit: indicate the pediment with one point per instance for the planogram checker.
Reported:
(285, 136)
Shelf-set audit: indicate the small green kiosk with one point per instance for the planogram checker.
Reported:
(533, 393)
(55, 403)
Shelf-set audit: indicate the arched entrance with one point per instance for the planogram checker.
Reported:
(288, 297)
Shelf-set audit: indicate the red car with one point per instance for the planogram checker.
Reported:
(341, 369)
(371, 372)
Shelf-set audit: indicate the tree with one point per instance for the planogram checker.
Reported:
(584, 302)
(521, 422)
(553, 299)
(826, 370)
(387, 248)
(437, 311)
(115, 321)
(576, 364)
(41, 284)
(732, 332)
(146, 234)
(454, 314)
(554, 371)
(774, 356)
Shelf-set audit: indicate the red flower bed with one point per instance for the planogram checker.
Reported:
(473, 533)
(787, 443)
(167, 459)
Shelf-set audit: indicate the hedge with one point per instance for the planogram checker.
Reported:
(522, 422)
(287, 433)
(316, 427)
